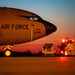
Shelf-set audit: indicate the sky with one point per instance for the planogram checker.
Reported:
(59, 12)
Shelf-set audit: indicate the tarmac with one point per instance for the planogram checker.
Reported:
(37, 65)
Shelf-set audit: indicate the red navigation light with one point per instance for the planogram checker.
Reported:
(63, 40)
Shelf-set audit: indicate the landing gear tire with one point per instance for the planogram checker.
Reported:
(7, 53)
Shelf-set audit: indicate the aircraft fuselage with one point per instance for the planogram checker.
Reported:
(20, 26)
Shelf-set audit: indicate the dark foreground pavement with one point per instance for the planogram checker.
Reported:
(37, 65)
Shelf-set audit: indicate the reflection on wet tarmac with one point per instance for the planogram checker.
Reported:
(37, 65)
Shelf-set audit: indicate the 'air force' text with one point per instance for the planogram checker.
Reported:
(15, 26)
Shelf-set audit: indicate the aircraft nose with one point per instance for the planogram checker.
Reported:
(50, 28)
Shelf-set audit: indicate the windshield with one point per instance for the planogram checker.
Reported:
(34, 18)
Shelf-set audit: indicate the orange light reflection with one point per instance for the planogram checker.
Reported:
(63, 59)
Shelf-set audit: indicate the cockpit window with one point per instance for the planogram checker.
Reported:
(34, 18)
(30, 18)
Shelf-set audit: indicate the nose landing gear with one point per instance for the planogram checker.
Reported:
(8, 50)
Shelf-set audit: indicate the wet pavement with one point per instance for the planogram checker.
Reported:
(37, 65)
